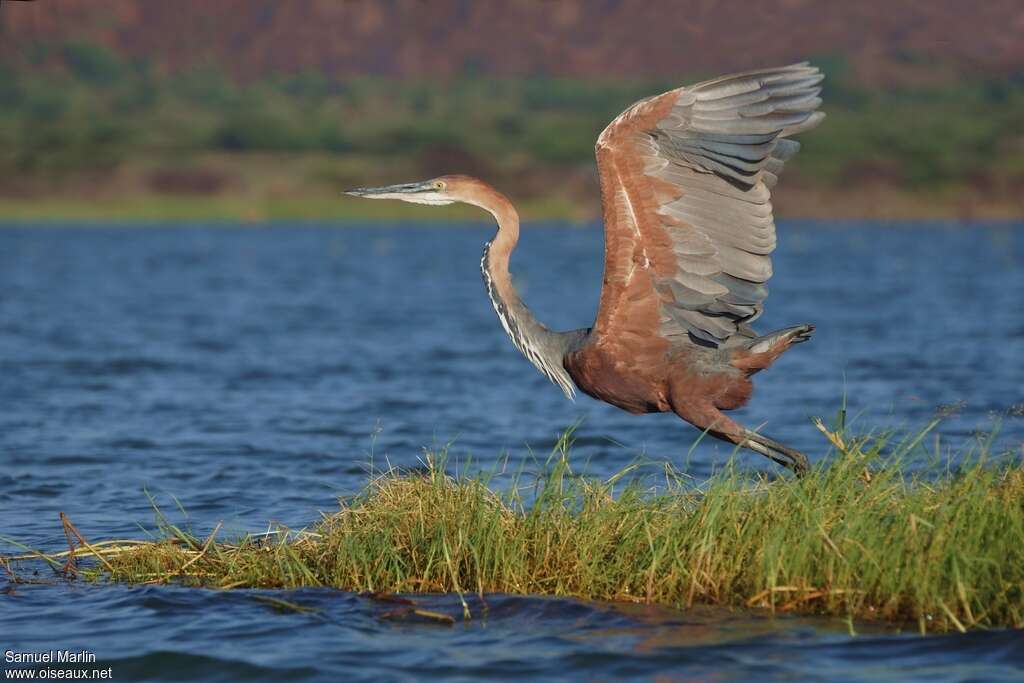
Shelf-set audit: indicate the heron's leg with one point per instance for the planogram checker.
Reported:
(706, 416)
(784, 455)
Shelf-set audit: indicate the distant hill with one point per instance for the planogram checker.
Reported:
(883, 41)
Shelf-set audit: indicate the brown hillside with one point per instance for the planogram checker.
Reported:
(886, 41)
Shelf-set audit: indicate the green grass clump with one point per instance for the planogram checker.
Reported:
(860, 536)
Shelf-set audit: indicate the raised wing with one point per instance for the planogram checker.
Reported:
(685, 180)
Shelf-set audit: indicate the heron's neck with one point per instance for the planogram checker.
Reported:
(542, 347)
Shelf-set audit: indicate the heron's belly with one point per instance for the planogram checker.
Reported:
(634, 388)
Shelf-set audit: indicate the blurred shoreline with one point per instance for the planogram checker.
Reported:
(876, 202)
(92, 132)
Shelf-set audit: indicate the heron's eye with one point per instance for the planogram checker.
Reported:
(439, 185)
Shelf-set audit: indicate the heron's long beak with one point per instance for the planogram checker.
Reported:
(391, 191)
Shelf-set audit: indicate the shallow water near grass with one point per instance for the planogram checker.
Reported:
(255, 374)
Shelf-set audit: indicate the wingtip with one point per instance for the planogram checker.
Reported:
(810, 122)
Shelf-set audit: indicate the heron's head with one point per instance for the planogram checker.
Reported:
(437, 191)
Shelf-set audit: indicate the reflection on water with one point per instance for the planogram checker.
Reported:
(255, 374)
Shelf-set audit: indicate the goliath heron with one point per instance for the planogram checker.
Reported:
(685, 179)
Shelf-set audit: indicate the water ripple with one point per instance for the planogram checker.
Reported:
(256, 375)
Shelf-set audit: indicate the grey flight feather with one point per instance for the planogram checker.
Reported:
(724, 145)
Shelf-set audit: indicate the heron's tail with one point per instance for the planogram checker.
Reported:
(761, 352)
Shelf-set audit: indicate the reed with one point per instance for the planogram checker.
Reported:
(869, 533)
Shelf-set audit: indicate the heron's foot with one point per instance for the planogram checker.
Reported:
(784, 455)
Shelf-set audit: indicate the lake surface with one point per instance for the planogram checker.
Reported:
(253, 374)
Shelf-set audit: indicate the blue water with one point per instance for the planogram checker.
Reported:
(254, 373)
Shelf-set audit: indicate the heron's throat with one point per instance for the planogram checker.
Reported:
(542, 347)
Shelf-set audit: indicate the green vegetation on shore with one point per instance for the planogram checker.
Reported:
(863, 536)
(83, 131)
